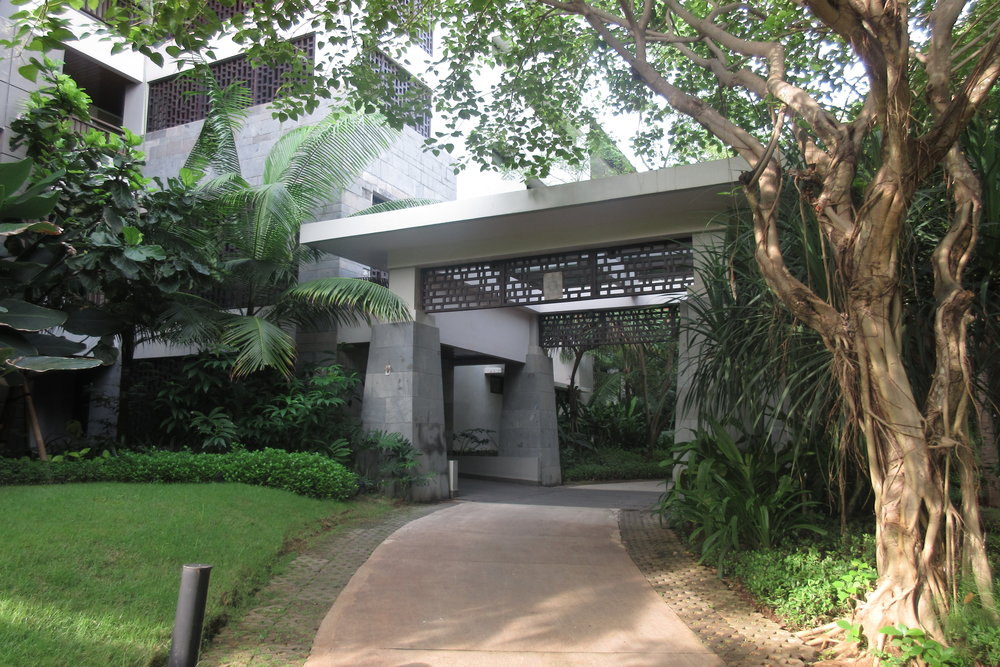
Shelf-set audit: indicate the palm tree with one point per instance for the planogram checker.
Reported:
(306, 168)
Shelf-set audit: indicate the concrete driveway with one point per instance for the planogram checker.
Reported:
(509, 575)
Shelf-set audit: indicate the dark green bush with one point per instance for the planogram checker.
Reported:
(305, 474)
(204, 409)
(610, 464)
(735, 494)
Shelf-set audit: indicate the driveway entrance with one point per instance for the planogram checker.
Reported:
(509, 575)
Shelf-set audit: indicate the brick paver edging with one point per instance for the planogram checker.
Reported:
(724, 623)
(280, 630)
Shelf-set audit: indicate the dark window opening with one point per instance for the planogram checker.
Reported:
(379, 199)
(179, 99)
(105, 87)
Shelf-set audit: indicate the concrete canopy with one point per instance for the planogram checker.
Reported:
(671, 202)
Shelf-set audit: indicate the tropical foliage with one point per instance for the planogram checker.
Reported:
(306, 168)
(874, 97)
(202, 407)
(736, 494)
(107, 258)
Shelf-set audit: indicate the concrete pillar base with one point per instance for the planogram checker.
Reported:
(404, 394)
(528, 420)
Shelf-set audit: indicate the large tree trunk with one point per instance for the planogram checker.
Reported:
(909, 504)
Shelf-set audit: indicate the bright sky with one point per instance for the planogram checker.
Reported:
(473, 182)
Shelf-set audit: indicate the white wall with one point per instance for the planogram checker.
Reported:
(474, 405)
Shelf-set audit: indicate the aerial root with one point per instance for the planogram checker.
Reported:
(830, 639)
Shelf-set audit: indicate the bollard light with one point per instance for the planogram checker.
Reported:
(185, 641)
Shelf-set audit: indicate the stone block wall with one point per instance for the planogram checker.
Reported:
(404, 171)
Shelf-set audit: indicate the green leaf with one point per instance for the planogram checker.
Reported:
(14, 174)
(259, 345)
(93, 322)
(29, 72)
(25, 316)
(54, 346)
(11, 228)
(17, 344)
(31, 208)
(142, 253)
(132, 235)
(43, 364)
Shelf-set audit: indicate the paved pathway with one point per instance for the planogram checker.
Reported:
(513, 575)
(572, 614)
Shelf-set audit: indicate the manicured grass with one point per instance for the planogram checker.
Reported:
(89, 572)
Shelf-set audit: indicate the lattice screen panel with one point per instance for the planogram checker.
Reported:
(660, 267)
(226, 12)
(179, 99)
(405, 91)
(590, 328)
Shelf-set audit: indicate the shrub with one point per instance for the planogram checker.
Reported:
(735, 495)
(610, 464)
(204, 409)
(388, 462)
(305, 474)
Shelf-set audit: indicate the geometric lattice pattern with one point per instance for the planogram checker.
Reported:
(658, 267)
(178, 99)
(404, 92)
(590, 328)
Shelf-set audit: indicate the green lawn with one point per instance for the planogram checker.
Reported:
(89, 572)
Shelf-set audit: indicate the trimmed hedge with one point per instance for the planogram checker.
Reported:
(305, 474)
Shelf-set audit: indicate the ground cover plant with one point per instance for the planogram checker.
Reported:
(90, 571)
(814, 581)
(610, 463)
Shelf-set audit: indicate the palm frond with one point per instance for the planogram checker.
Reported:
(395, 205)
(215, 147)
(259, 344)
(273, 222)
(191, 320)
(345, 300)
(326, 159)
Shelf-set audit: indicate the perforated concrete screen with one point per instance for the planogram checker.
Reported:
(590, 328)
(657, 267)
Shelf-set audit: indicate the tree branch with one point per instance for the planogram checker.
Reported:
(824, 123)
(952, 119)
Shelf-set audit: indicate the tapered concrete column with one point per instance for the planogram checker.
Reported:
(528, 419)
(689, 345)
(404, 394)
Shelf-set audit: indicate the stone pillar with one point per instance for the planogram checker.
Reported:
(448, 386)
(528, 419)
(689, 345)
(404, 394)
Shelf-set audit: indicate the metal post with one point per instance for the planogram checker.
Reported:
(186, 639)
(452, 478)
